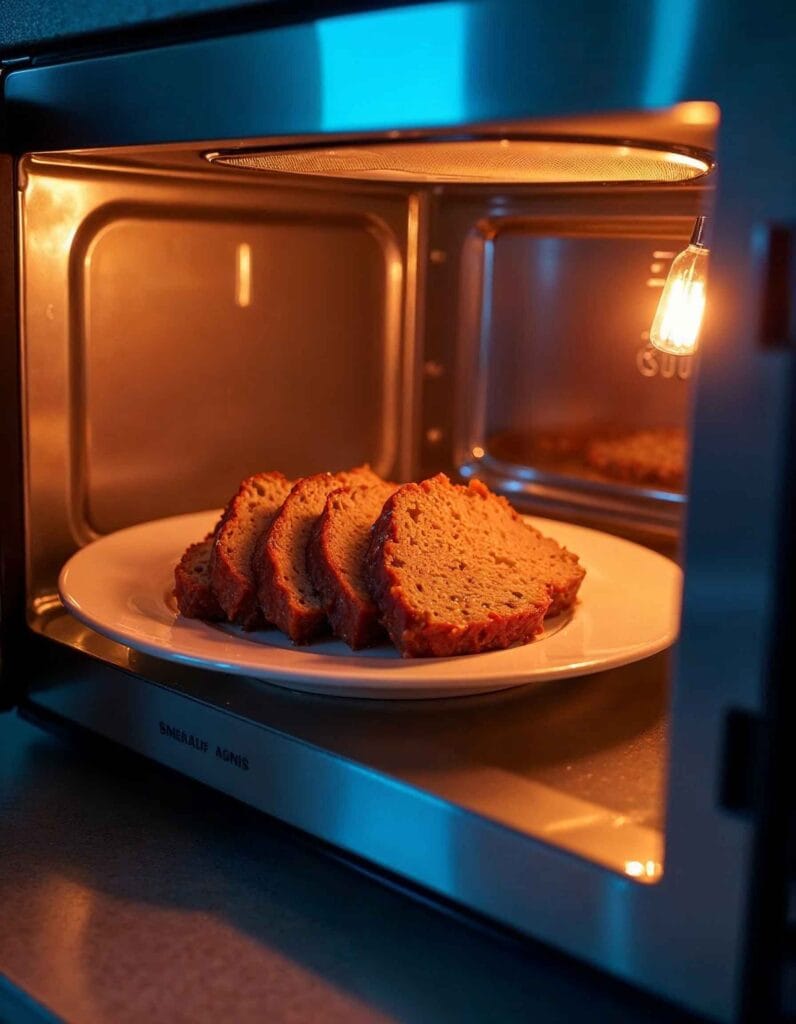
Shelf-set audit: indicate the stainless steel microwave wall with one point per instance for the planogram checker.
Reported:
(472, 801)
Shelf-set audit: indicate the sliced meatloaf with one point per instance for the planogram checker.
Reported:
(561, 571)
(454, 570)
(195, 597)
(246, 517)
(286, 593)
(336, 562)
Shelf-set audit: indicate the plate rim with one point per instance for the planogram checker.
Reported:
(333, 679)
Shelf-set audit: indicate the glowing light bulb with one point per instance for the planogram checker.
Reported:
(678, 318)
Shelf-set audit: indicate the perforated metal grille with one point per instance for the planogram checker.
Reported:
(494, 161)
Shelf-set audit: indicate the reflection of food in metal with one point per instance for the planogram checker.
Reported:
(559, 445)
(558, 451)
(645, 456)
(654, 456)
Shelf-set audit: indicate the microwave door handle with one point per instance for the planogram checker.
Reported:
(778, 291)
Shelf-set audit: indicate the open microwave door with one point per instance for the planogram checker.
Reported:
(733, 687)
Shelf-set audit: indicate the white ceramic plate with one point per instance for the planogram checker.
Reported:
(628, 608)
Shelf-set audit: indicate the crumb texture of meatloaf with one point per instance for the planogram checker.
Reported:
(286, 593)
(645, 456)
(247, 516)
(195, 597)
(336, 562)
(561, 571)
(454, 570)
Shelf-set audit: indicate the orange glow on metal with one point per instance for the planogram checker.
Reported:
(644, 870)
(243, 275)
(702, 112)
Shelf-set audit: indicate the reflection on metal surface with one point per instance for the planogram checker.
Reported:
(644, 871)
(553, 336)
(145, 452)
(471, 835)
(61, 204)
(698, 112)
(487, 161)
(243, 274)
(551, 361)
(106, 443)
(580, 763)
(355, 789)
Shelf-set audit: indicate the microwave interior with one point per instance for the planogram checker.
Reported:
(476, 303)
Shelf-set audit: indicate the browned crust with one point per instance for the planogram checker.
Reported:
(235, 587)
(353, 620)
(192, 590)
(275, 591)
(418, 636)
(563, 587)
(276, 596)
(564, 597)
(415, 633)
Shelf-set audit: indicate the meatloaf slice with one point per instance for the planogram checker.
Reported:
(245, 518)
(195, 597)
(561, 571)
(454, 570)
(336, 562)
(286, 592)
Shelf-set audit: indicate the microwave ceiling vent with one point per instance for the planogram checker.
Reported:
(509, 161)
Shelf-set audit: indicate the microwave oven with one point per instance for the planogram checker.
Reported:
(433, 238)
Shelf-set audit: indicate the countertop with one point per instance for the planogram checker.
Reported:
(130, 894)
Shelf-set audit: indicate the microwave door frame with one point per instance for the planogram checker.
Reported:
(12, 582)
(688, 936)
